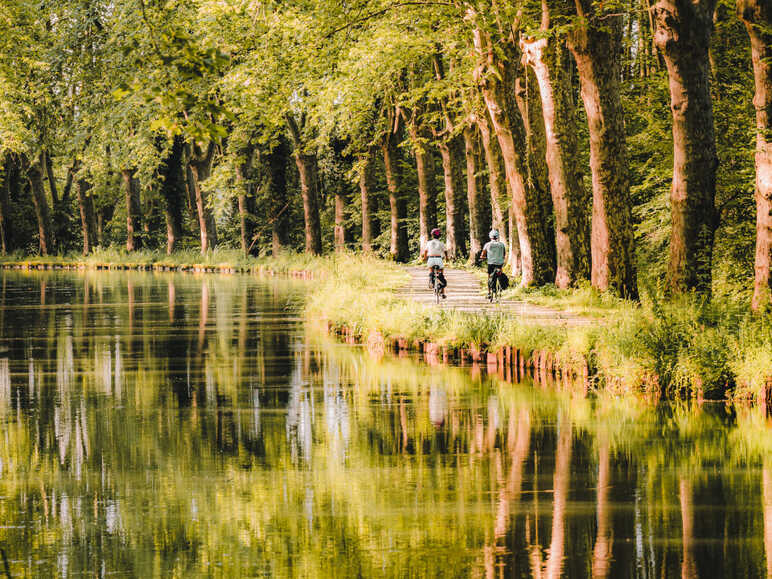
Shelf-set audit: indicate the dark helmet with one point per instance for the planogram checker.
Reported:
(436, 233)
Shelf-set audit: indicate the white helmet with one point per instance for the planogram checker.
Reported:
(494, 234)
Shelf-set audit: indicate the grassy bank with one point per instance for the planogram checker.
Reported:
(673, 348)
(225, 260)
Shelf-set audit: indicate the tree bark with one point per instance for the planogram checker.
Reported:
(365, 188)
(424, 164)
(548, 58)
(529, 104)
(427, 200)
(131, 195)
(515, 257)
(42, 213)
(5, 184)
(683, 36)
(757, 16)
(397, 202)
(307, 168)
(340, 222)
(243, 175)
(451, 149)
(279, 201)
(200, 165)
(477, 201)
(497, 179)
(11, 189)
(49, 167)
(309, 187)
(495, 77)
(451, 153)
(595, 44)
(173, 191)
(86, 208)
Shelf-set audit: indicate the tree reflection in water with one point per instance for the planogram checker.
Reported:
(170, 425)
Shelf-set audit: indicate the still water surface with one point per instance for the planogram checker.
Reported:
(174, 425)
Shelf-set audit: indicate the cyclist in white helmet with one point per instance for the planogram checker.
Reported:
(495, 253)
(434, 253)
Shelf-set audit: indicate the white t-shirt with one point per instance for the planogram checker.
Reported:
(435, 248)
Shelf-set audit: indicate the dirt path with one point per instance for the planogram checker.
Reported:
(465, 294)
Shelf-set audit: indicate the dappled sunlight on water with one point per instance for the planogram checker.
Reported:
(173, 425)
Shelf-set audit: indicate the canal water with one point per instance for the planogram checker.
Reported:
(170, 425)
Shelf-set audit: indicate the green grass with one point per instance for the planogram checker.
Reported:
(678, 348)
(218, 259)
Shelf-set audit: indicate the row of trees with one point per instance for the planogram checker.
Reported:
(235, 121)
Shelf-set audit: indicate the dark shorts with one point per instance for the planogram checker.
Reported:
(492, 268)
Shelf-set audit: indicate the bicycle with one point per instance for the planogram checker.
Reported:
(494, 286)
(434, 277)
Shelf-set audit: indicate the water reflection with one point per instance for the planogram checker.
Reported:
(170, 425)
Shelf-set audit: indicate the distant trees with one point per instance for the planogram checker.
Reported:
(169, 125)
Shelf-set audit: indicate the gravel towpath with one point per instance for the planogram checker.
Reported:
(465, 293)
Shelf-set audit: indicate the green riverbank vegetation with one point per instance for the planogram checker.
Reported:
(671, 347)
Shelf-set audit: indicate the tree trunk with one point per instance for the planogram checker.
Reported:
(11, 189)
(200, 166)
(173, 191)
(87, 225)
(757, 16)
(424, 164)
(279, 202)
(595, 44)
(570, 200)
(397, 203)
(497, 179)
(243, 173)
(427, 197)
(683, 36)
(529, 104)
(45, 236)
(515, 257)
(365, 188)
(340, 222)
(131, 194)
(495, 77)
(451, 153)
(477, 201)
(308, 186)
(5, 185)
(49, 167)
